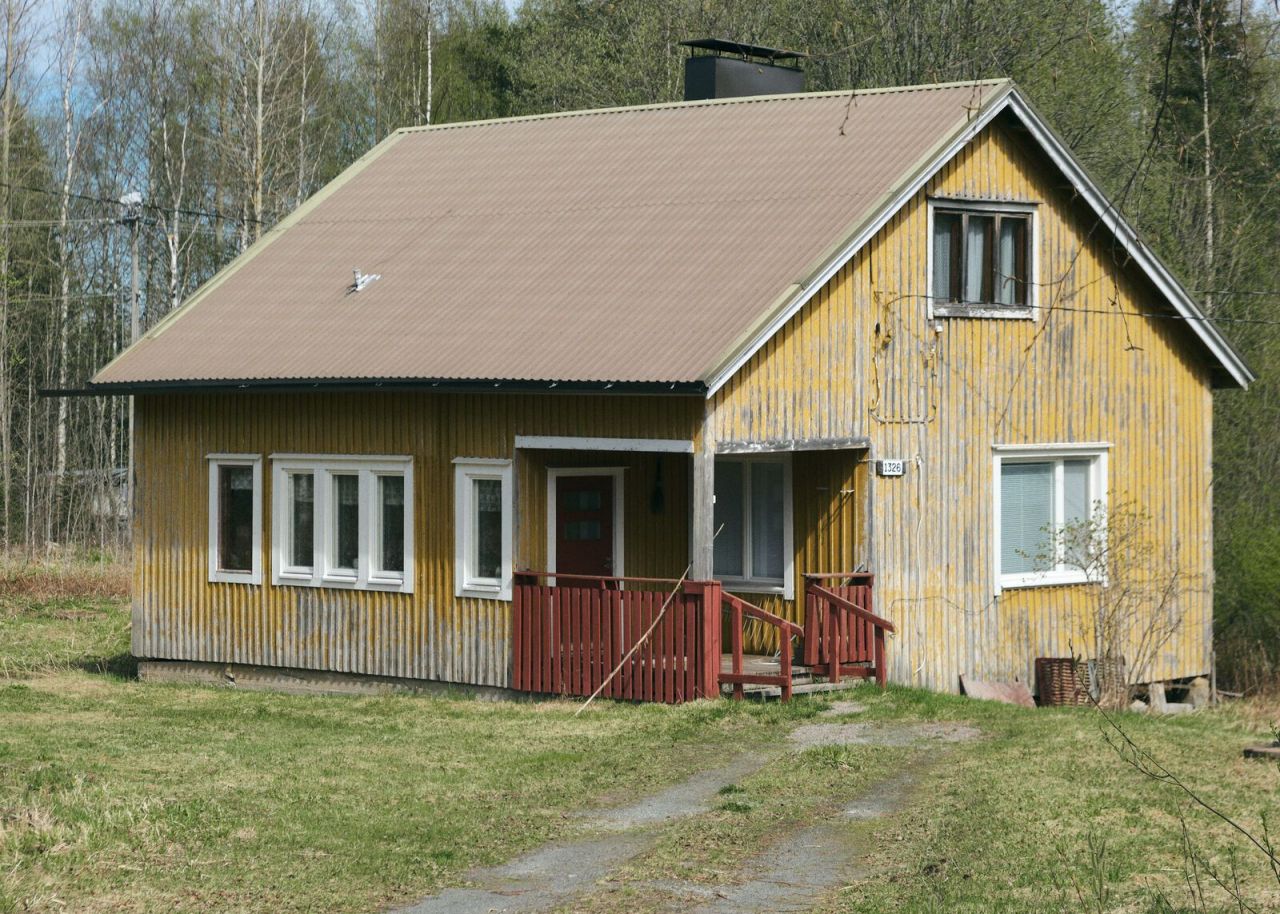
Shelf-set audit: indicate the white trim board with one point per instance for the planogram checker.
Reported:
(572, 443)
(800, 293)
(618, 473)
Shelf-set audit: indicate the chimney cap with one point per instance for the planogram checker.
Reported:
(723, 46)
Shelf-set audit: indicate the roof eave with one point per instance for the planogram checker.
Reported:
(336, 385)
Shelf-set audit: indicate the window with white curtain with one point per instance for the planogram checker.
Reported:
(981, 259)
(753, 547)
(343, 521)
(1040, 490)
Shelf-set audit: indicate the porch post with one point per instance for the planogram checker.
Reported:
(702, 535)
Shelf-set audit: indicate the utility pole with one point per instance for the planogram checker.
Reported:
(132, 203)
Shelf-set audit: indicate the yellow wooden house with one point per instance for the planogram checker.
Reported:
(589, 399)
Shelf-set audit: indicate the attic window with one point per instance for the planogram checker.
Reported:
(981, 259)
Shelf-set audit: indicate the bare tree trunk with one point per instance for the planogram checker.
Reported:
(6, 212)
(259, 113)
(431, 24)
(1210, 252)
(14, 13)
(300, 195)
(70, 154)
(177, 184)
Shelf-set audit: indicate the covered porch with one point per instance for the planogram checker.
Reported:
(656, 571)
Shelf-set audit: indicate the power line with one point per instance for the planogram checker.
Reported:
(1267, 293)
(149, 206)
(1173, 317)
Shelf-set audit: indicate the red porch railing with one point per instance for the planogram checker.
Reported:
(569, 638)
(738, 609)
(654, 639)
(841, 633)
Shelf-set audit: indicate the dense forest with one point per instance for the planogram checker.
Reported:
(212, 119)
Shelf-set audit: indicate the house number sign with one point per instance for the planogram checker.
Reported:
(891, 467)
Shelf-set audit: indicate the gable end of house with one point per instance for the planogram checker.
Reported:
(1228, 366)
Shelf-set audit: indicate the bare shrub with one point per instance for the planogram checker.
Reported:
(1136, 589)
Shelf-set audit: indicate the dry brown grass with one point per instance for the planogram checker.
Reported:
(1260, 713)
(43, 581)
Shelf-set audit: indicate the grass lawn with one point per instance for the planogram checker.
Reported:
(122, 796)
(1043, 815)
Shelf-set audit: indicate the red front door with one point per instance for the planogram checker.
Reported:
(584, 525)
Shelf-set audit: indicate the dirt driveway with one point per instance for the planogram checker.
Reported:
(792, 873)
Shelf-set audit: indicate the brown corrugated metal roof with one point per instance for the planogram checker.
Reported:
(626, 245)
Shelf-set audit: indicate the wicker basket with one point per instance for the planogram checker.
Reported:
(1059, 682)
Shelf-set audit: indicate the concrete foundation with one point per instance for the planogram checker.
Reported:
(310, 682)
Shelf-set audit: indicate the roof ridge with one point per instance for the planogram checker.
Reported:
(707, 103)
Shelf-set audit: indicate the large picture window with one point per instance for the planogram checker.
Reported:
(981, 260)
(1040, 490)
(753, 547)
(235, 518)
(482, 528)
(343, 521)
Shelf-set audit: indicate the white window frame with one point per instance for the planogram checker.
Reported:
(465, 471)
(554, 474)
(1096, 452)
(322, 573)
(216, 574)
(750, 583)
(1018, 208)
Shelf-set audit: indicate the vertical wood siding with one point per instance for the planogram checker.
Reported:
(429, 634)
(863, 359)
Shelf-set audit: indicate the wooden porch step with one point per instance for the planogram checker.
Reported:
(802, 688)
(804, 680)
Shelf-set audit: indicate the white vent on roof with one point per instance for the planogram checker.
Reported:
(362, 280)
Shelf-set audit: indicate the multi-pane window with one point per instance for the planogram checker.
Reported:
(752, 522)
(235, 518)
(482, 528)
(981, 260)
(343, 521)
(1042, 492)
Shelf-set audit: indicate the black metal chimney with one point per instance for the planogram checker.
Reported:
(730, 69)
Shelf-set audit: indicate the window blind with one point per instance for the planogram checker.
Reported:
(1026, 510)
